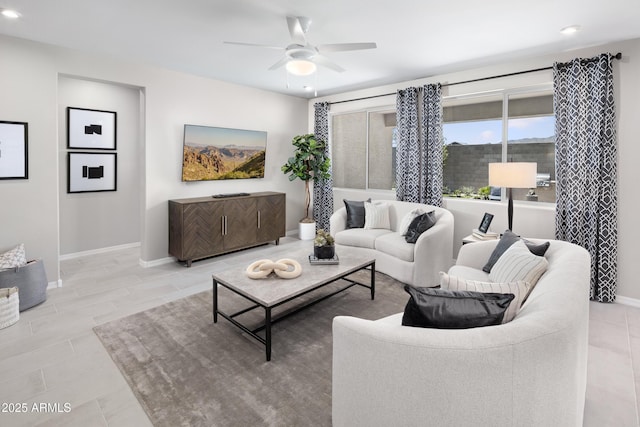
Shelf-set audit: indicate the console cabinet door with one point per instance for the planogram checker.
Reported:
(202, 230)
(241, 223)
(271, 217)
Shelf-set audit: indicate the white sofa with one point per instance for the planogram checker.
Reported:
(528, 372)
(413, 263)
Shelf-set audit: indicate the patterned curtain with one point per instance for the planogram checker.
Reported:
(323, 189)
(586, 168)
(432, 152)
(419, 149)
(408, 146)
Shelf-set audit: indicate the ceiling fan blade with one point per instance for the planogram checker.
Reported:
(255, 45)
(296, 30)
(324, 61)
(341, 47)
(279, 64)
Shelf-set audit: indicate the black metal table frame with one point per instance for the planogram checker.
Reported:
(269, 321)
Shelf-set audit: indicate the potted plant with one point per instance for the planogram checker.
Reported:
(309, 162)
(323, 245)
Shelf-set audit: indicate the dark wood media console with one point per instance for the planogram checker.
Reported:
(205, 226)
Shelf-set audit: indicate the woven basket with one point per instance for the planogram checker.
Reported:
(9, 306)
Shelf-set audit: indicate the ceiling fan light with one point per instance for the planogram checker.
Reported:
(301, 67)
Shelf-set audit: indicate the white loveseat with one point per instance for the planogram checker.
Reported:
(528, 372)
(413, 263)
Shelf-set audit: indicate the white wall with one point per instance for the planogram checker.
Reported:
(29, 81)
(530, 219)
(29, 208)
(90, 221)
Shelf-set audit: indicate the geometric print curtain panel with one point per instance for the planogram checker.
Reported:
(586, 166)
(419, 145)
(323, 189)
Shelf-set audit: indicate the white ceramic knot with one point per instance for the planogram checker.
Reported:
(285, 268)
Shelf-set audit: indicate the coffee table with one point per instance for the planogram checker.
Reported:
(272, 292)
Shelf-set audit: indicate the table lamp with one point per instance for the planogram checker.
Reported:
(512, 175)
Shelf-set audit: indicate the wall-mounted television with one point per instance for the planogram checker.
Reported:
(214, 153)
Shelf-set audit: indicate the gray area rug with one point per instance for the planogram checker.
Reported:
(187, 371)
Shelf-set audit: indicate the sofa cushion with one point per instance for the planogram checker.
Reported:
(518, 263)
(519, 289)
(394, 244)
(509, 238)
(468, 273)
(355, 213)
(408, 219)
(419, 225)
(376, 215)
(13, 258)
(446, 309)
(359, 237)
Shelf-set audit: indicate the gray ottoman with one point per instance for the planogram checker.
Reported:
(31, 281)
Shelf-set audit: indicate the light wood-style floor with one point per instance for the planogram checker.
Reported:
(51, 356)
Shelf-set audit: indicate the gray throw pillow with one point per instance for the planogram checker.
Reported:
(355, 213)
(419, 225)
(509, 238)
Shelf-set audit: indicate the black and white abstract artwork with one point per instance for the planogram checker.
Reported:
(91, 129)
(89, 172)
(14, 162)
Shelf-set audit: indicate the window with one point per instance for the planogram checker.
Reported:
(363, 150)
(474, 128)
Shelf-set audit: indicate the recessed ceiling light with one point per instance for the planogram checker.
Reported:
(571, 29)
(9, 13)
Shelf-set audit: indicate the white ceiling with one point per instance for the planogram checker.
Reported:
(415, 38)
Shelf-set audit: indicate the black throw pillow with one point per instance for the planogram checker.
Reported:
(446, 309)
(355, 213)
(509, 238)
(419, 225)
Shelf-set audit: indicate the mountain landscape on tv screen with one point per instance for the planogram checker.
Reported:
(208, 162)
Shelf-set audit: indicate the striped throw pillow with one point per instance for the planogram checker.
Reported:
(376, 215)
(519, 289)
(518, 263)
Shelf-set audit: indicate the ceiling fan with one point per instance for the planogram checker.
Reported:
(300, 57)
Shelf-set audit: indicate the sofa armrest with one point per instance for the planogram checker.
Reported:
(476, 254)
(338, 221)
(433, 252)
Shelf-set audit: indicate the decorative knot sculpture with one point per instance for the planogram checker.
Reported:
(285, 268)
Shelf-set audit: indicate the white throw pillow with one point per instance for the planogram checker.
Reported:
(519, 289)
(518, 263)
(407, 219)
(376, 215)
(13, 258)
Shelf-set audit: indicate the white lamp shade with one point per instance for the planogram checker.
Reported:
(513, 175)
(300, 67)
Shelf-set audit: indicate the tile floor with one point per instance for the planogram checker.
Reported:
(51, 357)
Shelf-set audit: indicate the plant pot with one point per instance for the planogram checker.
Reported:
(324, 252)
(307, 230)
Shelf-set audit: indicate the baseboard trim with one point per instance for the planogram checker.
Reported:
(99, 251)
(155, 262)
(633, 302)
(54, 284)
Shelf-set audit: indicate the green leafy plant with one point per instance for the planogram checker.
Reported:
(309, 162)
(484, 192)
(323, 238)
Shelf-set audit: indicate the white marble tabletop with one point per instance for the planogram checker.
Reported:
(272, 290)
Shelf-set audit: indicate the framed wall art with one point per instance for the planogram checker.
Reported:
(90, 172)
(14, 153)
(91, 129)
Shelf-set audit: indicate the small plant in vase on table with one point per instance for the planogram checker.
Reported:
(323, 245)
